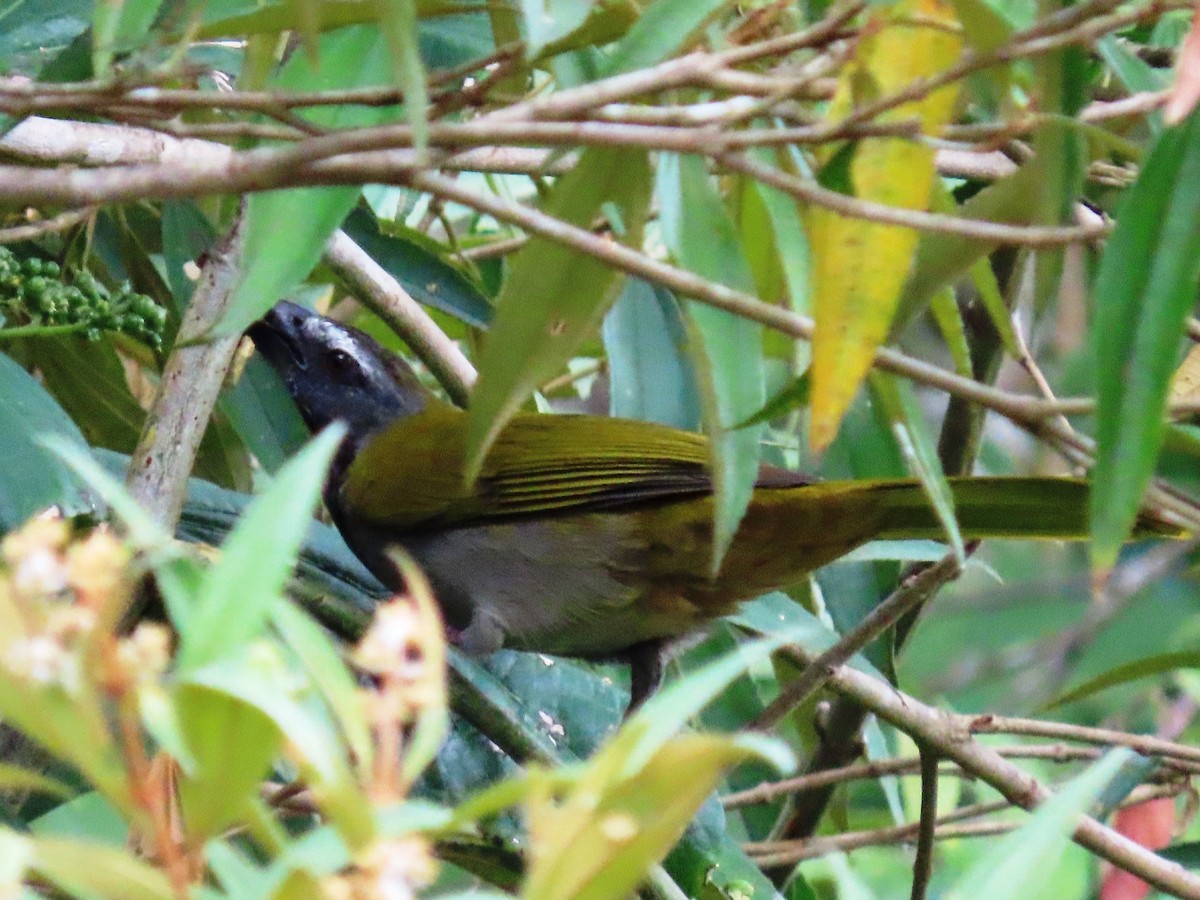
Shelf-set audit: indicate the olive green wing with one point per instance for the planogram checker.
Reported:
(410, 475)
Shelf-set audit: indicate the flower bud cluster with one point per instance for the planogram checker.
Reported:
(37, 292)
(54, 590)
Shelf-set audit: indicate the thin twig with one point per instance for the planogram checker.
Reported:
(1060, 753)
(952, 736)
(1146, 744)
(60, 222)
(787, 853)
(923, 862)
(911, 592)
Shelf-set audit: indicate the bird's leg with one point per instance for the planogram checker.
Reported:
(482, 637)
(645, 672)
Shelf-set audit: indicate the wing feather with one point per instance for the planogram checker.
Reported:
(409, 475)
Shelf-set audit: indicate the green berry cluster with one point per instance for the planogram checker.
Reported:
(36, 290)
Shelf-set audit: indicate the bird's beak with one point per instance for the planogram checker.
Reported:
(279, 335)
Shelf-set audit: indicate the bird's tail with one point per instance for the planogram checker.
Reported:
(1027, 508)
(791, 530)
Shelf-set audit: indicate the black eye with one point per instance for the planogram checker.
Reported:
(340, 364)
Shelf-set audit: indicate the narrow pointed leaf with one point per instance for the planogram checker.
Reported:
(86, 868)
(664, 28)
(287, 230)
(726, 349)
(1018, 862)
(860, 266)
(554, 297)
(1144, 290)
(118, 25)
(231, 744)
(650, 375)
(547, 21)
(1140, 668)
(943, 258)
(33, 477)
(398, 22)
(913, 438)
(240, 591)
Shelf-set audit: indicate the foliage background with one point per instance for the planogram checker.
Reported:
(629, 207)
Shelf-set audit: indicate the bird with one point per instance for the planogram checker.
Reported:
(590, 536)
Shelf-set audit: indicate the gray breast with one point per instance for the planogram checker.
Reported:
(552, 586)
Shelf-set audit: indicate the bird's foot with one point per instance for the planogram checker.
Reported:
(646, 662)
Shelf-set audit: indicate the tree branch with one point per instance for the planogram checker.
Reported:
(192, 378)
(951, 736)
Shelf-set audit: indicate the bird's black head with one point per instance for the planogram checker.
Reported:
(336, 373)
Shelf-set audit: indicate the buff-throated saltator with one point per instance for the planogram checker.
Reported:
(588, 536)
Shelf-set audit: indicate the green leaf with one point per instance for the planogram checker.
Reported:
(306, 14)
(791, 396)
(1186, 854)
(598, 836)
(240, 591)
(231, 745)
(71, 726)
(941, 259)
(30, 38)
(239, 19)
(18, 779)
(276, 259)
(602, 838)
(329, 675)
(895, 551)
(298, 884)
(233, 871)
(899, 404)
(665, 28)
(789, 236)
(406, 255)
(984, 27)
(1139, 668)
(1134, 73)
(547, 21)
(766, 615)
(33, 478)
(709, 862)
(324, 763)
(80, 868)
(1145, 287)
(186, 234)
(119, 25)
(554, 297)
(88, 381)
(651, 376)
(944, 309)
(322, 851)
(88, 817)
(398, 22)
(984, 279)
(665, 713)
(726, 349)
(141, 529)
(262, 413)
(878, 750)
(1017, 863)
(604, 23)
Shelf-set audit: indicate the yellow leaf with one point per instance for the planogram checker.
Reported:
(860, 266)
(1186, 384)
(599, 838)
